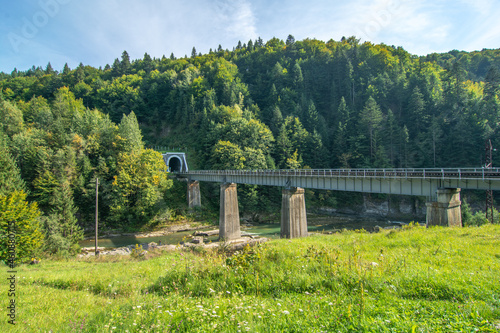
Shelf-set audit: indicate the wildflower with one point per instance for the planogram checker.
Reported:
(301, 310)
(228, 292)
(279, 304)
(286, 312)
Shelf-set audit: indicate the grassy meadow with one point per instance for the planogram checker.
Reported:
(409, 280)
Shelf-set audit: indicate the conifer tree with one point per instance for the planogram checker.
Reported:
(370, 119)
(130, 133)
(10, 177)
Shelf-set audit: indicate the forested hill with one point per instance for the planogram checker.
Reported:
(279, 104)
(295, 103)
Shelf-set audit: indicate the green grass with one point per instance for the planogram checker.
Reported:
(412, 280)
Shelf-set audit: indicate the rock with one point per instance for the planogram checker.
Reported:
(197, 240)
(206, 233)
(92, 249)
(168, 247)
(248, 235)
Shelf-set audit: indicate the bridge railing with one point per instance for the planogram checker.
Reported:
(428, 173)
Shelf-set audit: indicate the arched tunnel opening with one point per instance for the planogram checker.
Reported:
(175, 164)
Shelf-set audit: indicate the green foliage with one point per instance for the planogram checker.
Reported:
(12, 118)
(469, 219)
(59, 237)
(227, 156)
(130, 134)
(137, 252)
(283, 104)
(139, 186)
(19, 218)
(10, 177)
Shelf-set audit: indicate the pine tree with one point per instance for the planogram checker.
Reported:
(391, 135)
(276, 120)
(10, 177)
(66, 69)
(370, 119)
(130, 133)
(125, 63)
(298, 78)
(311, 118)
(283, 147)
(49, 69)
(416, 108)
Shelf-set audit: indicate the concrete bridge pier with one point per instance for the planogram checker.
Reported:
(293, 213)
(446, 211)
(229, 219)
(193, 194)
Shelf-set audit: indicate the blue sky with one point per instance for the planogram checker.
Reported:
(95, 32)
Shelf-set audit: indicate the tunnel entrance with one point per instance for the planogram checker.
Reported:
(175, 164)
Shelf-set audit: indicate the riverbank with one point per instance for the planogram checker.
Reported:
(409, 279)
(180, 233)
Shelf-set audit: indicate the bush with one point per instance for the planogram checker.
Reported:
(27, 234)
(476, 219)
(54, 240)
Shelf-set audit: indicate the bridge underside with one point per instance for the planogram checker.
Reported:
(441, 187)
(445, 211)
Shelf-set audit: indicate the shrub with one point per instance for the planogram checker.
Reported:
(27, 234)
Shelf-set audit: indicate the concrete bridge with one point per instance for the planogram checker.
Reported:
(440, 186)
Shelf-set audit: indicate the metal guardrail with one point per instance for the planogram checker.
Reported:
(432, 173)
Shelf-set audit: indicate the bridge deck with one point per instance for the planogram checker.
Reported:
(421, 182)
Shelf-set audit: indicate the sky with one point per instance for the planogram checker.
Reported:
(95, 32)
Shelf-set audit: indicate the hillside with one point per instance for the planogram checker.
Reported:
(274, 104)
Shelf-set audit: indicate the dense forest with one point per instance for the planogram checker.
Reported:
(274, 104)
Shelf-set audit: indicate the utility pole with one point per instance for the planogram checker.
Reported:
(96, 213)
(488, 164)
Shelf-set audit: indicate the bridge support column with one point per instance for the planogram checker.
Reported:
(293, 213)
(446, 211)
(193, 194)
(229, 220)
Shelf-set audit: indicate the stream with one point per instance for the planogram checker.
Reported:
(316, 223)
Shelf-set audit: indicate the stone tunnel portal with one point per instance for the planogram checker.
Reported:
(175, 164)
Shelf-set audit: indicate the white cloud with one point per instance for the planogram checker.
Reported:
(238, 19)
